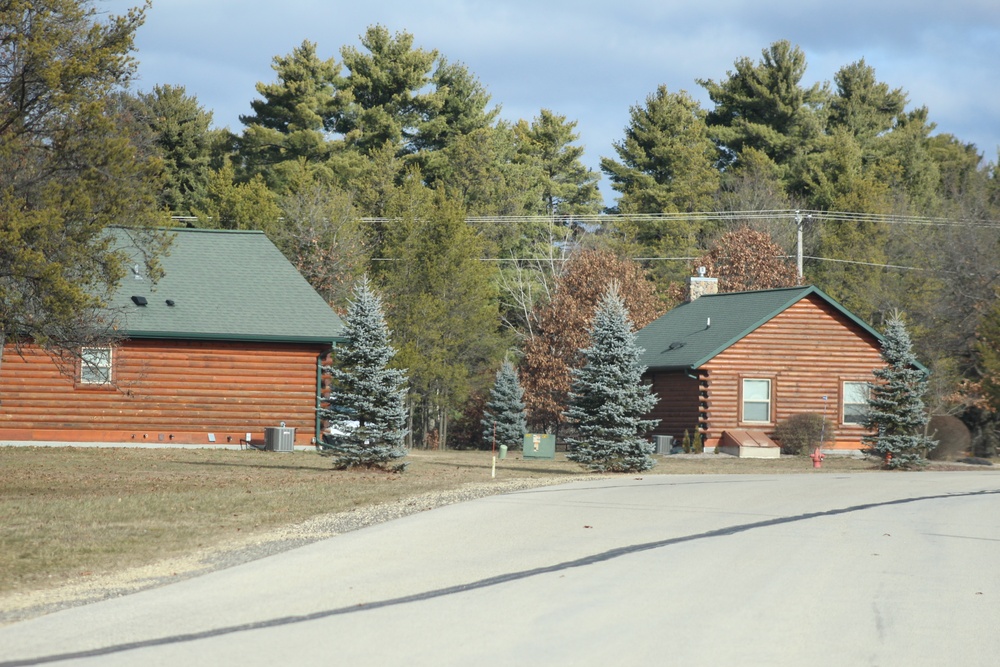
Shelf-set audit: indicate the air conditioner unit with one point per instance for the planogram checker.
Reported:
(663, 443)
(279, 439)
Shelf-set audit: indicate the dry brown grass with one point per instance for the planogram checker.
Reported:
(72, 511)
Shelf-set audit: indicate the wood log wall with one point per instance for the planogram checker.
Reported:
(163, 391)
(808, 352)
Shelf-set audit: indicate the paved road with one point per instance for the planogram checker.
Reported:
(826, 569)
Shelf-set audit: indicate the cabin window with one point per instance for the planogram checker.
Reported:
(854, 402)
(95, 365)
(757, 401)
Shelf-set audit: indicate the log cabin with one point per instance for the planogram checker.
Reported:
(227, 343)
(733, 366)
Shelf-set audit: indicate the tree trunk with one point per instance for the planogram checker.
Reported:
(409, 421)
(444, 428)
(426, 423)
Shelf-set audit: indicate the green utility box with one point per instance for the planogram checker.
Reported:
(539, 446)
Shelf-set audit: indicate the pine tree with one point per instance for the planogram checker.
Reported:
(482, 170)
(230, 204)
(366, 405)
(895, 408)
(505, 409)
(568, 186)
(863, 105)
(286, 132)
(174, 126)
(764, 106)
(608, 399)
(463, 106)
(667, 159)
(69, 168)
(387, 94)
(445, 309)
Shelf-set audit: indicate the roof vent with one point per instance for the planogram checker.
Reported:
(139, 300)
(170, 302)
(676, 345)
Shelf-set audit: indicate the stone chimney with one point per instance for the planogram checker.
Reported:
(700, 285)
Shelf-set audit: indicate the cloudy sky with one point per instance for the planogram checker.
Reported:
(589, 60)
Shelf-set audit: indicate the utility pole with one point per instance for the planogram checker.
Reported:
(799, 220)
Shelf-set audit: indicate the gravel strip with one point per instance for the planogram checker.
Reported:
(21, 606)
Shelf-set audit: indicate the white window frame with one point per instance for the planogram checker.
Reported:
(844, 403)
(744, 400)
(95, 365)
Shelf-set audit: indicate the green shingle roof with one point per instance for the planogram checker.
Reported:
(224, 285)
(683, 339)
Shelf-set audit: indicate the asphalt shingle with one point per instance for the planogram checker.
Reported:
(224, 285)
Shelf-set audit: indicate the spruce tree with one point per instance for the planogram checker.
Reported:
(505, 409)
(366, 403)
(608, 399)
(896, 413)
(559, 326)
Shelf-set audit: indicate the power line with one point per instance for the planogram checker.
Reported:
(676, 259)
(797, 216)
(776, 215)
(884, 266)
(736, 216)
(528, 260)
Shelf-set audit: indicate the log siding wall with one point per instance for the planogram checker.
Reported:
(808, 351)
(677, 406)
(164, 391)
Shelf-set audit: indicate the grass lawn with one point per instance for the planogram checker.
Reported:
(67, 512)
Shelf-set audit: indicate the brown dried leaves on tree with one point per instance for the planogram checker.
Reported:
(562, 326)
(746, 259)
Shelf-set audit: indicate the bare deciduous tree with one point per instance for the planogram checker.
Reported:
(745, 259)
(561, 326)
